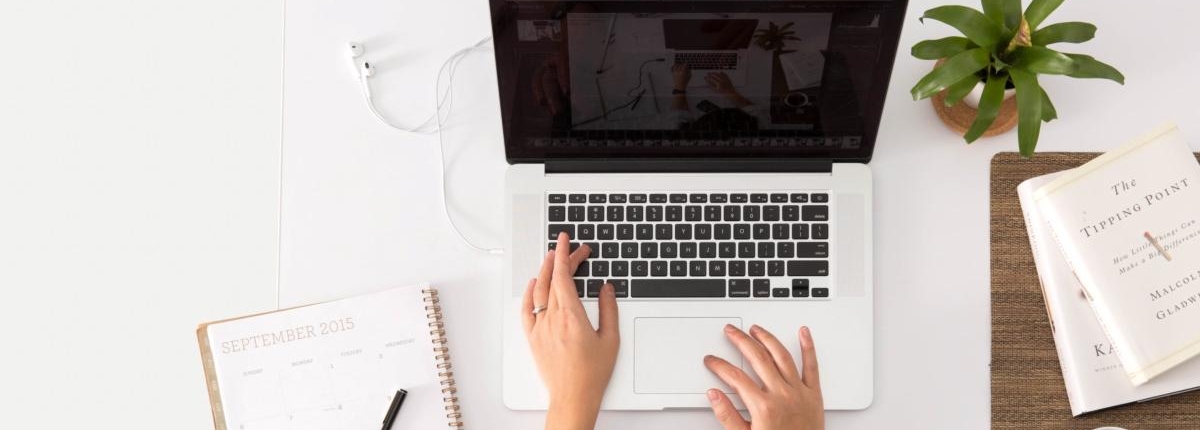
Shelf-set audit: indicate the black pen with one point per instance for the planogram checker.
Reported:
(394, 409)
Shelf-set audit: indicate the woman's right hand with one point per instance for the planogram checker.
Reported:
(681, 74)
(786, 400)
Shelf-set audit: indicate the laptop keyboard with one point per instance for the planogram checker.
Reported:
(708, 60)
(697, 245)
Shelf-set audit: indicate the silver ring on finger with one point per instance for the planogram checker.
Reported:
(538, 310)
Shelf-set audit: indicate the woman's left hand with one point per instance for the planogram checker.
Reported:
(574, 359)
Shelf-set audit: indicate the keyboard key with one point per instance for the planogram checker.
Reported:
(579, 290)
(692, 213)
(674, 213)
(722, 231)
(575, 213)
(616, 213)
(662, 232)
(555, 229)
(708, 250)
(780, 292)
(637, 198)
(738, 198)
(712, 213)
(687, 250)
(732, 213)
(654, 213)
(593, 287)
(577, 198)
(799, 231)
(619, 268)
(766, 250)
(799, 198)
(716, 268)
(770, 213)
(780, 231)
(599, 268)
(799, 288)
(820, 231)
(610, 250)
(807, 268)
(595, 213)
(697, 269)
(779, 198)
(737, 268)
(557, 213)
(587, 231)
(593, 250)
(679, 198)
(715, 198)
(762, 231)
(762, 288)
(702, 231)
(683, 232)
(658, 268)
(741, 231)
(791, 213)
(678, 268)
(751, 213)
(616, 198)
(814, 213)
(634, 213)
(649, 250)
(669, 288)
(605, 231)
(820, 292)
(625, 232)
(745, 250)
(739, 288)
(726, 250)
(698, 198)
(658, 198)
(639, 269)
(645, 232)
(820, 198)
(757, 268)
(582, 270)
(785, 250)
(668, 250)
(812, 249)
(558, 198)
(775, 268)
(759, 198)
(597, 198)
(620, 287)
(629, 250)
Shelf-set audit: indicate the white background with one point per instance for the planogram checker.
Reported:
(140, 194)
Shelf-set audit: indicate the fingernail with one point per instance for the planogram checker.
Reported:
(562, 235)
(607, 289)
(729, 328)
(755, 328)
(712, 395)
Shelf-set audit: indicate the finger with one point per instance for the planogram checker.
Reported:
(527, 318)
(726, 414)
(808, 357)
(783, 358)
(562, 269)
(541, 290)
(563, 289)
(760, 360)
(608, 313)
(732, 376)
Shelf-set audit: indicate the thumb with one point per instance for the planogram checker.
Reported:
(726, 414)
(608, 312)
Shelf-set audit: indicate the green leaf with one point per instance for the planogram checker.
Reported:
(1041, 60)
(941, 48)
(1088, 67)
(989, 107)
(1029, 110)
(1048, 111)
(1068, 32)
(960, 89)
(1038, 10)
(953, 70)
(1006, 13)
(970, 22)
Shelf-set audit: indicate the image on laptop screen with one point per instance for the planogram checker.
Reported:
(684, 79)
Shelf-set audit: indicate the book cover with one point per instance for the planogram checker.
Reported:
(1092, 373)
(1128, 225)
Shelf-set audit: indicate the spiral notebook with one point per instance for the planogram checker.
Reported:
(333, 365)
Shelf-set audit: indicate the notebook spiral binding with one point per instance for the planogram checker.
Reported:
(437, 330)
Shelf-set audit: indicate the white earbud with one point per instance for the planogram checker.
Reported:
(356, 50)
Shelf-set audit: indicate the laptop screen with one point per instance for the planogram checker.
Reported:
(711, 79)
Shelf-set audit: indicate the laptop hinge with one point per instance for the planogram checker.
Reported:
(690, 165)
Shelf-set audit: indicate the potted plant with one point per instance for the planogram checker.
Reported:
(775, 37)
(1003, 47)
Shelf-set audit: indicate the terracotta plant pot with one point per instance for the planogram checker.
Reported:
(960, 116)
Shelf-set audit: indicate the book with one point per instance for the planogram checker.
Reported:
(1091, 371)
(1128, 226)
(333, 365)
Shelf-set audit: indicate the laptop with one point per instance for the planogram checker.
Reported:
(710, 45)
(707, 210)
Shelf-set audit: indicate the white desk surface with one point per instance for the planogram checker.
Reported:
(361, 209)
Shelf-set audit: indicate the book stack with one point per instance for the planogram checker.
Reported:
(1116, 243)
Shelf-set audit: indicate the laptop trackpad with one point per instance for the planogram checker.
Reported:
(669, 354)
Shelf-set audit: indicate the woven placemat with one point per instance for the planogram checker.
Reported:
(1027, 385)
